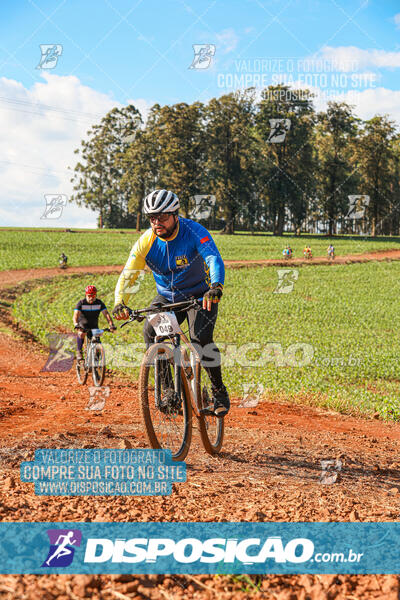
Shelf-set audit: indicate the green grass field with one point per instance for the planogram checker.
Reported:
(346, 318)
(23, 249)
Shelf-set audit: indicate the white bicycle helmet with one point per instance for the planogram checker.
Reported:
(161, 201)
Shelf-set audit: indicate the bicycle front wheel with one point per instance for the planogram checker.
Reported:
(211, 427)
(81, 372)
(98, 365)
(167, 418)
(82, 368)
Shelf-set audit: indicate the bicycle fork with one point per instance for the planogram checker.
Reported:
(178, 366)
(157, 380)
(162, 373)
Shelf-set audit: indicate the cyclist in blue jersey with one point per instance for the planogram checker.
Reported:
(185, 262)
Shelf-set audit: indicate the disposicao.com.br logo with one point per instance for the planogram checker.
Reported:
(191, 550)
(249, 551)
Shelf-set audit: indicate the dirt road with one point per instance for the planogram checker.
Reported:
(269, 471)
(13, 277)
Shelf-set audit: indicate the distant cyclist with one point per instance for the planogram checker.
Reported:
(185, 262)
(307, 252)
(287, 252)
(86, 317)
(63, 261)
(331, 252)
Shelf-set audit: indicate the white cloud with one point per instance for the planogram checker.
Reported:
(396, 19)
(378, 101)
(350, 58)
(366, 102)
(227, 40)
(41, 127)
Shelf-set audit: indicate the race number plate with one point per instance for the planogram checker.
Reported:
(164, 323)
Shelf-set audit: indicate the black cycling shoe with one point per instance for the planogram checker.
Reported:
(222, 403)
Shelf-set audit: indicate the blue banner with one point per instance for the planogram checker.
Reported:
(193, 548)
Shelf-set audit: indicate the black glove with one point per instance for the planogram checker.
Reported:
(215, 292)
(212, 296)
(118, 309)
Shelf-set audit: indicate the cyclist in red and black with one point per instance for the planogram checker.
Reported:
(86, 317)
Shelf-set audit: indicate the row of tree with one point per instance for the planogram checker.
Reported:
(272, 164)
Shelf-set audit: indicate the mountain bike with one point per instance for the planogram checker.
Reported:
(307, 254)
(331, 255)
(173, 385)
(95, 359)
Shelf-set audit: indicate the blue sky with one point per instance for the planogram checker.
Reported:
(140, 51)
(133, 48)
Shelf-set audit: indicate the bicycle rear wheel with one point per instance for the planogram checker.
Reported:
(98, 364)
(168, 419)
(211, 427)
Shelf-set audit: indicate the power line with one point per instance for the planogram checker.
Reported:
(35, 167)
(47, 107)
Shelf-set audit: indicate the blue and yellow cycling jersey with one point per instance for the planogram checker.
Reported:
(184, 265)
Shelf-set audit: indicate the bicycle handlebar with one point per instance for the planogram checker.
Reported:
(91, 329)
(184, 305)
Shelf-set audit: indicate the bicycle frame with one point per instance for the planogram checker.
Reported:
(90, 345)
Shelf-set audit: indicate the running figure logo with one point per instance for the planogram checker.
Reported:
(98, 396)
(61, 356)
(61, 551)
(132, 289)
(54, 206)
(329, 471)
(203, 205)
(50, 54)
(251, 394)
(129, 135)
(279, 129)
(286, 280)
(357, 206)
(203, 54)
